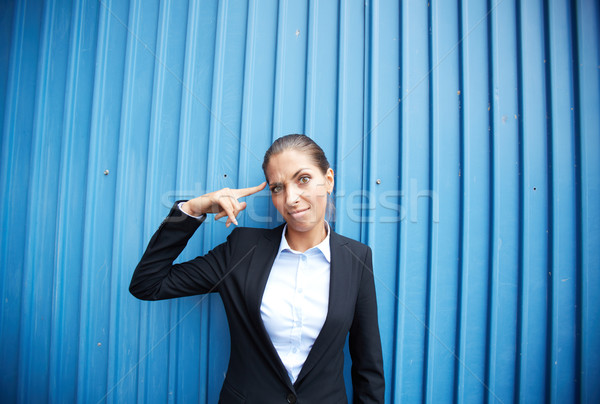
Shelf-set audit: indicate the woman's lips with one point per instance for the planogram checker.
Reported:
(297, 214)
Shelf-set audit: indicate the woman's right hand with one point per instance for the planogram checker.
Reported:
(223, 202)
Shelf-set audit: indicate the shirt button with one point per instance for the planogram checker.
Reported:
(304, 258)
(291, 398)
(294, 350)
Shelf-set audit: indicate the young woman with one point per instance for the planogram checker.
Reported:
(292, 294)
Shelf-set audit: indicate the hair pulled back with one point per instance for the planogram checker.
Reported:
(301, 143)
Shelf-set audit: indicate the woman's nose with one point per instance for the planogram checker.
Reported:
(292, 195)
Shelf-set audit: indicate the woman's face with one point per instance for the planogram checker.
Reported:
(299, 189)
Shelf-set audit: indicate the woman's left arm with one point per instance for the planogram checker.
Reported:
(364, 341)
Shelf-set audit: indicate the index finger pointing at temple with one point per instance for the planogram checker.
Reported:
(249, 191)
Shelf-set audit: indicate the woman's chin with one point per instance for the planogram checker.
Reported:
(303, 225)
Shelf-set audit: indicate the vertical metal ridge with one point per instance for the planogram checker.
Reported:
(444, 179)
(158, 101)
(113, 384)
(350, 117)
(149, 218)
(189, 96)
(562, 364)
(130, 188)
(534, 280)
(367, 160)
(291, 81)
(36, 301)
(370, 14)
(521, 300)
(7, 29)
(336, 108)
(367, 138)
(549, 382)
(381, 175)
(196, 111)
(14, 179)
(321, 70)
(278, 93)
(217, 98)
(307, 52)
(464, 224)
(175, 330)
(350, 124)
(432, 233)
(310, 69)
(504, 259)
(491, 328)
(415, 177)
(578, 202)
(100, 202)
(69, 230)
(276, 79)
(243, 78)
(458, 393)
(588, 100)
(476, 193)
(83, 376)
(400, 231)
(335, 159)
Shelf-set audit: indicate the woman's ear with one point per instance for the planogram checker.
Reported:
(329, 175)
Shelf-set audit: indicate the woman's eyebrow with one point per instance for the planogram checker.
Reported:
(271, 184)
(298, 172)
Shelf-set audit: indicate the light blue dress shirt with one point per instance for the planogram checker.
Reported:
(295, 301)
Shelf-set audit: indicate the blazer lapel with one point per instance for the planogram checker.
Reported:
(339, 285)
(258, 273)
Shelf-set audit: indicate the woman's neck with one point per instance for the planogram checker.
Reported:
(302, 241)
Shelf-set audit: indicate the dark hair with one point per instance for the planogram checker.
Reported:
(300, 143)
(306, 145)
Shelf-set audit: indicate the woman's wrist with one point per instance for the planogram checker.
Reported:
(187, 208)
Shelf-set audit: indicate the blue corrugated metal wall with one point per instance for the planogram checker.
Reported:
(466, 140)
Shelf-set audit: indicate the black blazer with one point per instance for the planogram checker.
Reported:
(238, 269)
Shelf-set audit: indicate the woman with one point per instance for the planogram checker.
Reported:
(292, 294)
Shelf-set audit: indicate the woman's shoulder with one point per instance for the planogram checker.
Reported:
(355, 245)
(255, 233)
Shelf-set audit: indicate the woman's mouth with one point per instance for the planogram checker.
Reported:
(297, 214)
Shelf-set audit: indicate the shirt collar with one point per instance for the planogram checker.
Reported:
(323, 246)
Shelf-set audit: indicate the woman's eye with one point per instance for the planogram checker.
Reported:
(276, 189)
(304, 180)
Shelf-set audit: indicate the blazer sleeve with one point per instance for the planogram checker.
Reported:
(155, 276)
(364, 341)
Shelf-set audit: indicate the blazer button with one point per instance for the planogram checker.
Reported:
(291, 398)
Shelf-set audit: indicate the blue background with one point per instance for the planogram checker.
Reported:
(465, 137)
